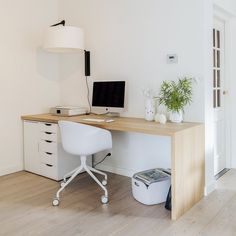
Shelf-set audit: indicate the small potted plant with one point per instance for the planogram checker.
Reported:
(175, 96)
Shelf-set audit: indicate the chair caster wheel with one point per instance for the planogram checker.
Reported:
(63, 183)
(104, 199)
(55, 202)
(104, 182)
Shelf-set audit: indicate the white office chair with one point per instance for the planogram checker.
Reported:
(83, 140)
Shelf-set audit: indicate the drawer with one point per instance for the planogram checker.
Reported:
(48, 127)
(45, 135)
(47, 146)
(49, 171)
(48, 158)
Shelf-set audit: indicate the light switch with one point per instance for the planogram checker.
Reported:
(172, 58)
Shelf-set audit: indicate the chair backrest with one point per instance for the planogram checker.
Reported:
(80, 139)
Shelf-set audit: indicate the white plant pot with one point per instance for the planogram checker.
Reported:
(150, 109)
(176, 117)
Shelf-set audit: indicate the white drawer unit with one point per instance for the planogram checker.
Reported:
(43, 152)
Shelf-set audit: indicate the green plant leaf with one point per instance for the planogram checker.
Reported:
(176, 95)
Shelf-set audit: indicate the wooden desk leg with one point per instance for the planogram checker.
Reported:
(188, 169)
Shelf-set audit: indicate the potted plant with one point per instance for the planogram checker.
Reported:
(175, 96)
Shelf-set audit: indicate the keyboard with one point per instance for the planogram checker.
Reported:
(98, 120)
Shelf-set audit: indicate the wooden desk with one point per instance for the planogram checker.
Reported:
(187, 154)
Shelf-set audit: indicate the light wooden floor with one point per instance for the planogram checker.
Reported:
(25, 209)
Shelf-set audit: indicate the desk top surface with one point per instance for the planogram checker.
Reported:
(125, 124)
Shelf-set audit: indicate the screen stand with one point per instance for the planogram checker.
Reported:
(113, 114)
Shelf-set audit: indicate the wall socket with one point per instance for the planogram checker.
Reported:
(172, 59)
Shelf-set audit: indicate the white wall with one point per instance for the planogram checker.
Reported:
(129, 40)
(227, 5)
(134, 152)
(27, 75)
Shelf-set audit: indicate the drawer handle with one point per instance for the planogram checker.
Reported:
(48, 141)
(48, 153)
(48, 132)
(48, 124)
(49, 165)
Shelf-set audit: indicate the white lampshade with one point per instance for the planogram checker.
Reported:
(64, 39)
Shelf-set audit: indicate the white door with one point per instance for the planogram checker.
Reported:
(218, 96)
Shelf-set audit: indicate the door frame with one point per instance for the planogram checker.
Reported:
(222, 15)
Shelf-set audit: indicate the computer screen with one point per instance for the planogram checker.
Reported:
(108, 94)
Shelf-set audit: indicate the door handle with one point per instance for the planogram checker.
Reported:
(225, 92)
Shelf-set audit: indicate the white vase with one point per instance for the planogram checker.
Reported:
(176, 117)
(150, 109)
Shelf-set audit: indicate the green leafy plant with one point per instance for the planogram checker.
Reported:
(176, 95)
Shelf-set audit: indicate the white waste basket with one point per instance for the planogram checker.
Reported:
(151, 186)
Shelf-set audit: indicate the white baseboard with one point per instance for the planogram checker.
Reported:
(10, 170)
(209, 188)
(115, 170)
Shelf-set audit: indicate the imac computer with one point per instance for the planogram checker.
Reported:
(108, 97)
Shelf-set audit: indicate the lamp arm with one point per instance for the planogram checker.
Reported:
(87, 62)
(63, 22)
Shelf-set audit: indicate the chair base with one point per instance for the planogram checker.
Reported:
(75, 172)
